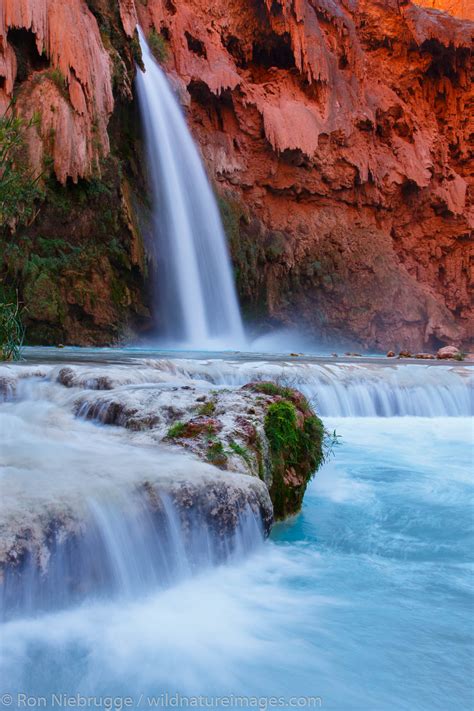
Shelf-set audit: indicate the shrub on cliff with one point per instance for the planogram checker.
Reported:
(19, 188)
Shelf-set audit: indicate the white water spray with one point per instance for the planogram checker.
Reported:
(196, 290)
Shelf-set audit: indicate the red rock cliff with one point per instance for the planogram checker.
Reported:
(336, 130)
(343, 128)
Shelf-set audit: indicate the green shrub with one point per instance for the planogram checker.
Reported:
(270, 388)
(12, 331)
(19, 189)
(60, 80)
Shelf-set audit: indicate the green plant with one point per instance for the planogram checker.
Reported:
(176, 430)
(207, 408)
(158, 46)
(19, 189)
(270, 388)
(59, 79)
(241, 451)
(281, 428)
(216, 454)
(12, 331)
(297, 450)
(137, 51)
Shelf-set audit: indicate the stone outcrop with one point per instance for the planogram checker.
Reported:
(202, 471)
(337, 134)
(262, 430)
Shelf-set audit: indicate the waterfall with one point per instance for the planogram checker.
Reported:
(195, 288)
(122, 549)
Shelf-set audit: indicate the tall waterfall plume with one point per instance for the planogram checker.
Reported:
(196, 292)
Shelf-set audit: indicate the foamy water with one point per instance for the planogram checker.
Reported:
(364, 600)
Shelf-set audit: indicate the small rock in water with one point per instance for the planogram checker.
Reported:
(404, 354)
(353, 355)
(448, 352)
(334, 355)
(425, 356)
(60, 345)
(391, 354)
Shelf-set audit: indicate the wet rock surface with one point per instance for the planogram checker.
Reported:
(206, 450)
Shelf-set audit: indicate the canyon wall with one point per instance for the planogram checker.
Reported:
(80, 265)
(337, 133)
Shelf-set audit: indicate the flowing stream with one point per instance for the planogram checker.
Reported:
(363, 601)
(195, 282)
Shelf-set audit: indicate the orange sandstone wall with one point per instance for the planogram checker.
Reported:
(459, 8)
(342, 131)
(337, 131)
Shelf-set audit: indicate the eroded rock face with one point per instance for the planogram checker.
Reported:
(62, 41)
(459, 8)
(338, 135)
(80, 265)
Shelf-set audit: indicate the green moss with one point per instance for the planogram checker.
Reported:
(281, 428)
(176, 430)
(59, 79)
(293, 446)
(43, 298)
(158, 46)
(275, 246)
(245, 239)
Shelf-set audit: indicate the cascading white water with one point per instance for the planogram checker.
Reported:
(363, 596)
(196, 290)
(102, 517)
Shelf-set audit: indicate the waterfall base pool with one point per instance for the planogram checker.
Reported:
(362, 602)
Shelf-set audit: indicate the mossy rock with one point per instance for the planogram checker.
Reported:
(295, 439)
(42, 299)
(264, 429)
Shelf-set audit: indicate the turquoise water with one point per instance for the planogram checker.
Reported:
(363, 601)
